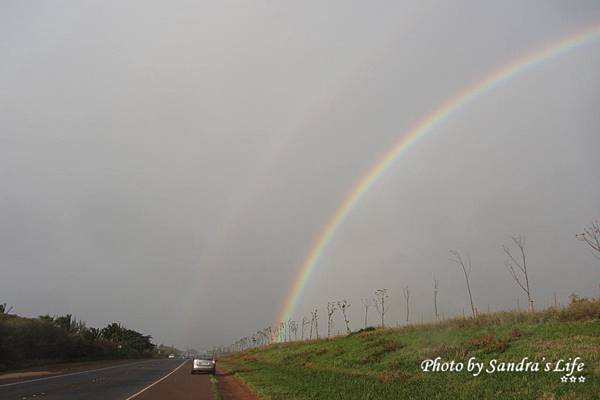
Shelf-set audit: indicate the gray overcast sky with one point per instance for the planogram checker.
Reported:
(170, 166)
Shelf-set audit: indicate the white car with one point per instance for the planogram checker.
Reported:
(171, 355)
(204, 363)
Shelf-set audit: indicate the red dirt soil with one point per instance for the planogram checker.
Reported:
(232, 388)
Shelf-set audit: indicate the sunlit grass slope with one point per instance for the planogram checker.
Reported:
(385, 363)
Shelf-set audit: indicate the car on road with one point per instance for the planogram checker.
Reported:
(204, 363)
(171, 355)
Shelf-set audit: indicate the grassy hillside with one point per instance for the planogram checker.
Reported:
(385, 363)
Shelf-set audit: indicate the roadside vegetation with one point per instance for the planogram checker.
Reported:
(214, 384)
(516, 263)
(385, 363)
(26, 342)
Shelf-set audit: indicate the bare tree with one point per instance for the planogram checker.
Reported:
(304, 323)
(314, 323)
(435, 294)
(269, 334)
(290, 325)
(457, 258)
(344, 305)
(287, 332)
(331, 306)
(379, 301)
(406, 294)
(366, 303)
(591, 236)
(518, 267)
(316, 315)
(263, 337)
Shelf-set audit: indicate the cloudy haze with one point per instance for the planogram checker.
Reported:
(170, 166)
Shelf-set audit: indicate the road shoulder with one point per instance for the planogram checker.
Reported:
(179, 384)
(232, 388)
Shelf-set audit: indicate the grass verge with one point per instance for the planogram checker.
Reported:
(386, 363)
(215, 387)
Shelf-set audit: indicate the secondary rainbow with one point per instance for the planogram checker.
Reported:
(425, 125)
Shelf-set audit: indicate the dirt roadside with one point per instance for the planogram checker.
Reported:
(231, 388)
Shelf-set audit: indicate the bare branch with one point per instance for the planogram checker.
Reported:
(435, 294)
(406, 294)
(514, 275)
(380, 303)
(591, 236)
(343, 305)
(518, 269)
(459, 260)
(366, 303)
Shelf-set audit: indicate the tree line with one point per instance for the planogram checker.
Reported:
(30, 341)
(516, 264)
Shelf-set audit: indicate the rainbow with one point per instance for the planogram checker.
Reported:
(409, 138)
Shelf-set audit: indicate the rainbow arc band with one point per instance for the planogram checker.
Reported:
(409, 138)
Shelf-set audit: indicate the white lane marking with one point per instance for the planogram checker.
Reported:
(72, 374)
(158, 381)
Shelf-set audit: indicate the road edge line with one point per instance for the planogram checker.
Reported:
(158, 381)
(46, 378)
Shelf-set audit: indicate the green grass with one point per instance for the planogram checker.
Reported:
(215, 387)
(385, 363)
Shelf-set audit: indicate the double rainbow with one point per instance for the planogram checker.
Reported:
(409, 138)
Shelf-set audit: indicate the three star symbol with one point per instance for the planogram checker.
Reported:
(572, 379)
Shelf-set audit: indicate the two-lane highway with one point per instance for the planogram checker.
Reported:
(143, 380)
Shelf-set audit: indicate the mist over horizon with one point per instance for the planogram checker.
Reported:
(170, 168)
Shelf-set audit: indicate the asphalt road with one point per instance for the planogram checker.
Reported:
(144, 380)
